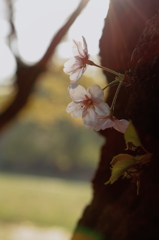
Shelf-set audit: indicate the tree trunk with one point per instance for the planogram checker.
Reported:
(116, 211)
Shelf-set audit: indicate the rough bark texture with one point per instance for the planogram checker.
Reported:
(116, 211)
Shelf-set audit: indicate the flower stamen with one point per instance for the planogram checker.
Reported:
(88, 102)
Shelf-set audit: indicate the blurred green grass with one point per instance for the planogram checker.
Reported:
(42, 201)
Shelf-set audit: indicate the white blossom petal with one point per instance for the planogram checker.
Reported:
(76, 92)
(71, 65)
(77, 49)
(107, 124)
(102, 109)
(96, 91)
(77, 74)
(84, 113)
(121, 125)
(98, 125)
(71, 107)
(90, 118)
(76, 66)
(75, 109)
(77, 113)
(70, 62)
(85, 48)
(71, 69)
(104, 123)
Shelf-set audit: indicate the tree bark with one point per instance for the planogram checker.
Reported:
(116, 211)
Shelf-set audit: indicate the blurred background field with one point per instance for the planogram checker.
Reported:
(40, 203)
(47, 158)
(44, 139)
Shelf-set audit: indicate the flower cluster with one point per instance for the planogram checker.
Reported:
(89, 104)
(96, 114)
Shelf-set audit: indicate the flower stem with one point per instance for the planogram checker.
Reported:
(120, 78)
(115, 97)
(112, 83)
(105, 69)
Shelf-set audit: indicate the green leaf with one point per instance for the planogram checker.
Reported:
(131, 136)
(146, 158)
(120, 164)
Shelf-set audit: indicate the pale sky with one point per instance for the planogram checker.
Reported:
(37, 21)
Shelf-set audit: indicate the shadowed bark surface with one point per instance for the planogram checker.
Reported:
(116, 211)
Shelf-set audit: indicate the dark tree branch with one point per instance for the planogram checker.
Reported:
(61, 33)
(27, 75)
(11, 21)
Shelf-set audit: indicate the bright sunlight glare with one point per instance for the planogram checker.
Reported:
(37, 21)
(89, 24)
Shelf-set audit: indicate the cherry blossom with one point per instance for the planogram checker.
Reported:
(76, 65)
(111, 121)
(87, 104)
